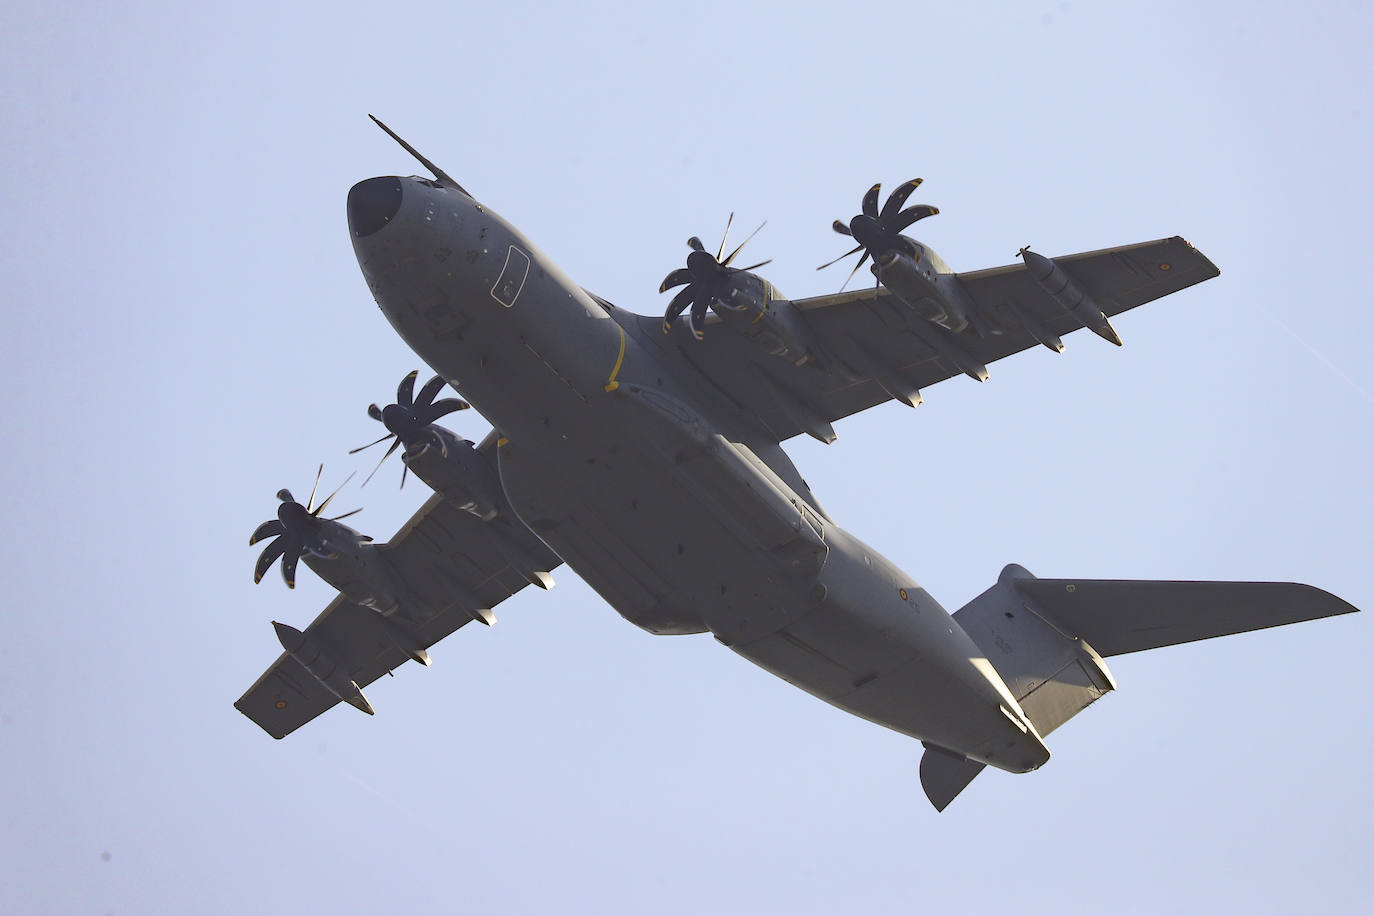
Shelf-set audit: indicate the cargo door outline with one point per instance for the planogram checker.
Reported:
(507, 287)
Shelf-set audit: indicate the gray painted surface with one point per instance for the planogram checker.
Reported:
(648, 460)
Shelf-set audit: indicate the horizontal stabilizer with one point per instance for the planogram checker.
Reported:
(944, 774)
(1117, 616)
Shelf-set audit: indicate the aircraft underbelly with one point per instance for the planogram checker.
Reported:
(855, 631)
(873, 643)
(655, 550)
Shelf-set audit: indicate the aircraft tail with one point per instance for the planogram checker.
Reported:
(1047, 639)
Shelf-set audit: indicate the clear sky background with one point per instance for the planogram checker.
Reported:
(186, 331)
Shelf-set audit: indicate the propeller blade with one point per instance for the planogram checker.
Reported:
(320, 507)
(354, 451)
(405, 390)
(899, 196)
(841, 228)
(754, 266)
(911, 215)
(442, 409)
(404, 469)
(428, 392)
(841, 257)
(680, 302)
(676, 278)
(395, 445)
(374, 412)
(270, 528)
(854, 271)
(288, 564)
(267, 558)
(726, 262)
(313, 489)
(346, 514)
(725, 235)
(697, 318)
(870, 205)
(694, 243)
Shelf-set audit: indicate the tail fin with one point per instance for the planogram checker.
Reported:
(1044, 637)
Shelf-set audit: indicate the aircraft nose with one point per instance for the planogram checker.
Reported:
(372, 204)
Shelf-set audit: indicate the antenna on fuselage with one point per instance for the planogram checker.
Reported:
(440, 174)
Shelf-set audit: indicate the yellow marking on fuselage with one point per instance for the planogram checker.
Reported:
(501, 442)
(611, 383)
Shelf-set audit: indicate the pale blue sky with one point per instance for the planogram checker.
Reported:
(188, 332)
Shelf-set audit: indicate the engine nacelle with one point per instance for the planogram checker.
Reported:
(458, 472)
(758, 311)
(924, 283)
(360, 573)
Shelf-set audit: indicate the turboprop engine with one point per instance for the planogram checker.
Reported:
(446, 462)
(745, 301)
(336, 553)
(758, 311)
(350, 563)
(925, 283)
(912, 272)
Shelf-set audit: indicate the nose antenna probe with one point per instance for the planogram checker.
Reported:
(440, 174)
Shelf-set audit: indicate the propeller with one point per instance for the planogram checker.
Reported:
(408, 420)
(707, 279)
(296, 529)
(881, 231)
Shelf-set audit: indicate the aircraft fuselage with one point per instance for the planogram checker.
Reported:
(681, 521)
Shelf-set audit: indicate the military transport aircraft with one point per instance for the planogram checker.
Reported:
(645, 453)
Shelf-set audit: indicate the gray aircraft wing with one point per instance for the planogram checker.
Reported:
(441, 552)
(887, 351)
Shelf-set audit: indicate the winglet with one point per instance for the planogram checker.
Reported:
(439, 173)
